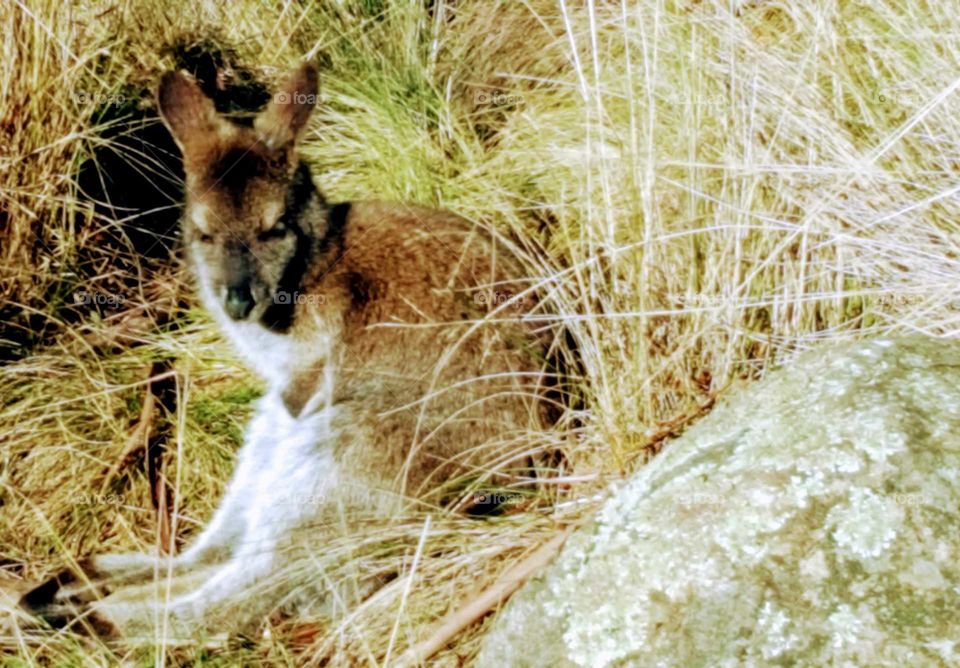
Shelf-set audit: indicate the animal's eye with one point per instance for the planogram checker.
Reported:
(277, 231)
(205, 238)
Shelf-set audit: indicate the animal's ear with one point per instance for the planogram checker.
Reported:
(186, 111)
(281, 123)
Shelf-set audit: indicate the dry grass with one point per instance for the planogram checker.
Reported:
(702, 188)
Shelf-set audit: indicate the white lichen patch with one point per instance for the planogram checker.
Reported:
(946, 650)
(846, 627)
(865, 525)
(923, 574)
(803, 488)
(815, 567)
(885, 438)
(775, 627)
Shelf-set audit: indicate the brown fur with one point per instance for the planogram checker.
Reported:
(369, 322)
(390, 270)
(482, 380)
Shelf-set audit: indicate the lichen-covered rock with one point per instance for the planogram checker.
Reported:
(812, 520)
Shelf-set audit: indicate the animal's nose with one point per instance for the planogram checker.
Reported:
(239, 301)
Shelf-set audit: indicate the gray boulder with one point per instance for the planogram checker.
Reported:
(812, 519)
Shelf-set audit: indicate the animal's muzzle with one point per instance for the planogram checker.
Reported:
(239, 301)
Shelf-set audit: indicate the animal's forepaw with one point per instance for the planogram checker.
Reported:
(119, 618)
(86, 601)
(140, 621)
(62, 599)
(45, 594)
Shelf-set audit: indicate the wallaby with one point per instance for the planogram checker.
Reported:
(391, 339)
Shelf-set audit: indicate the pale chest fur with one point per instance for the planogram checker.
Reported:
(279, 357)
(274, 357)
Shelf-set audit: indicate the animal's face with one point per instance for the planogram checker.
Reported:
(233, 228)
(239, 185)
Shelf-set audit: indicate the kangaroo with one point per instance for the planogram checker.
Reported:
(390, 338)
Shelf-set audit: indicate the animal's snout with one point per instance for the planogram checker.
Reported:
(239, 301)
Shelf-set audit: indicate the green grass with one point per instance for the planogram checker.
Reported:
(700, 193)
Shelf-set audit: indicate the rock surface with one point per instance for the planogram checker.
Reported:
(813, 520)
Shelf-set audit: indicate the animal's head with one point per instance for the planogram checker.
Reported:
(243, 188)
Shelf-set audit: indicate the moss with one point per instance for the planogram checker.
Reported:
(222, 412)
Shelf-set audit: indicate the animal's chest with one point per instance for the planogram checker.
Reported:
(272, 356)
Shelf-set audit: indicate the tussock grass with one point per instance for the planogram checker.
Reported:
(700, 189)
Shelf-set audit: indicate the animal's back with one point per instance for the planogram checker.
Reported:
(419, 370)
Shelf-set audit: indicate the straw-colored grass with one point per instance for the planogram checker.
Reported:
(701, 188)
